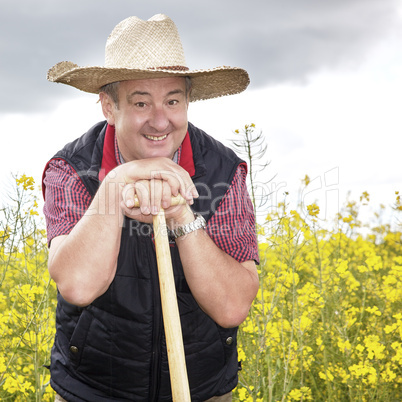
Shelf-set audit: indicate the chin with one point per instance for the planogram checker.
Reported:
(159, 155)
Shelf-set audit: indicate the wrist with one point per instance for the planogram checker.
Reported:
(108, 195)
(196, 223)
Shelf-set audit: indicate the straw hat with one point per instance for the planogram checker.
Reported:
(138, 49)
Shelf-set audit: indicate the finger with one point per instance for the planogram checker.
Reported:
(172, 178)
(179, 181)
(174, 201)
(143, 194)
(156, 187)
(128, 211)
(192, 193)
(128, 195)
(194, 190)
(135, 213)
(166, 195)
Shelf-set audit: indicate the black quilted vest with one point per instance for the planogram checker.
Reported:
(114, 349)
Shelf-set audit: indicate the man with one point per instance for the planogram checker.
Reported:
(110, 343)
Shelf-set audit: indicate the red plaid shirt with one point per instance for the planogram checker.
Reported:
(67, 199)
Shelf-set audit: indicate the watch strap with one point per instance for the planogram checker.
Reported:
(198, 223)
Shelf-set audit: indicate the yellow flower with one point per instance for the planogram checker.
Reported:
(306, 181)
(374, 348)
(241, 355)
(305, 322)
(342, 268)
(2, 364)
(10, 385)
(365, 196)
(348, 219)
(374, 262)
(242, 394)
(313, 210)
(388, 375)
(373, 310)
(398, 203)
(362, 268)
(397, 346)
(295, 395)
(326, 376)
(26, 182)
(360, 348)
(13, 385)
(344, 345)
(304, 393)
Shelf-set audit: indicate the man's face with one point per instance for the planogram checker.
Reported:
(151, 118)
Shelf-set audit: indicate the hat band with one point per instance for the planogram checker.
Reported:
(171, 68)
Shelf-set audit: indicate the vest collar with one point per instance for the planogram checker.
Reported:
(186, 161)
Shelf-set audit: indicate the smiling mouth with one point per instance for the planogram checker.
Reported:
(153, 138)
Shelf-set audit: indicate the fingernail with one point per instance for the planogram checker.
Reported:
(145, 210)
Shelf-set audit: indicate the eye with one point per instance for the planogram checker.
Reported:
(140, 104)
(173, 102)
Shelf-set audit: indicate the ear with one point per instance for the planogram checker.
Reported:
(108, 107)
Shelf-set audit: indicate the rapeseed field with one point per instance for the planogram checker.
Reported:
(326, 324)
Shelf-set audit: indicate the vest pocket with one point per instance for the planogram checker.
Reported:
(78, 339)
(229, 341)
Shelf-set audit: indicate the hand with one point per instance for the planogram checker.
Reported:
(154, 182)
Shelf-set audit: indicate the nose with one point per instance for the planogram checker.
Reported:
(159, 119)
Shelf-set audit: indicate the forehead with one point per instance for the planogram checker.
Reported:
(153, 85)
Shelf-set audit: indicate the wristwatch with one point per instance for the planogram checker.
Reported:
(198, 223)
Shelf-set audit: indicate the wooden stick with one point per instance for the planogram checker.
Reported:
(170, 311)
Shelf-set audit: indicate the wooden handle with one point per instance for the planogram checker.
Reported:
(176, 200)
(170, 311)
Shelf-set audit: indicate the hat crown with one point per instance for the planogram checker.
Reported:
(142, 50)
(139, 44)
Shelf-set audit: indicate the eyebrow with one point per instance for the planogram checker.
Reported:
(143, 93)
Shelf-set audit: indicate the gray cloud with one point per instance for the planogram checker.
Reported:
(275, 41)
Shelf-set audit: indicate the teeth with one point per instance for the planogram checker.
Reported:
(151, 137)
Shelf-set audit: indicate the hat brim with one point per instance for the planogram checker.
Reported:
(206, 84)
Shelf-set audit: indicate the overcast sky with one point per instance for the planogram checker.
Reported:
(325, 83)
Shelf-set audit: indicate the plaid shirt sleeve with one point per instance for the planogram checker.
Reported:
(232, 227)
(66, 199)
